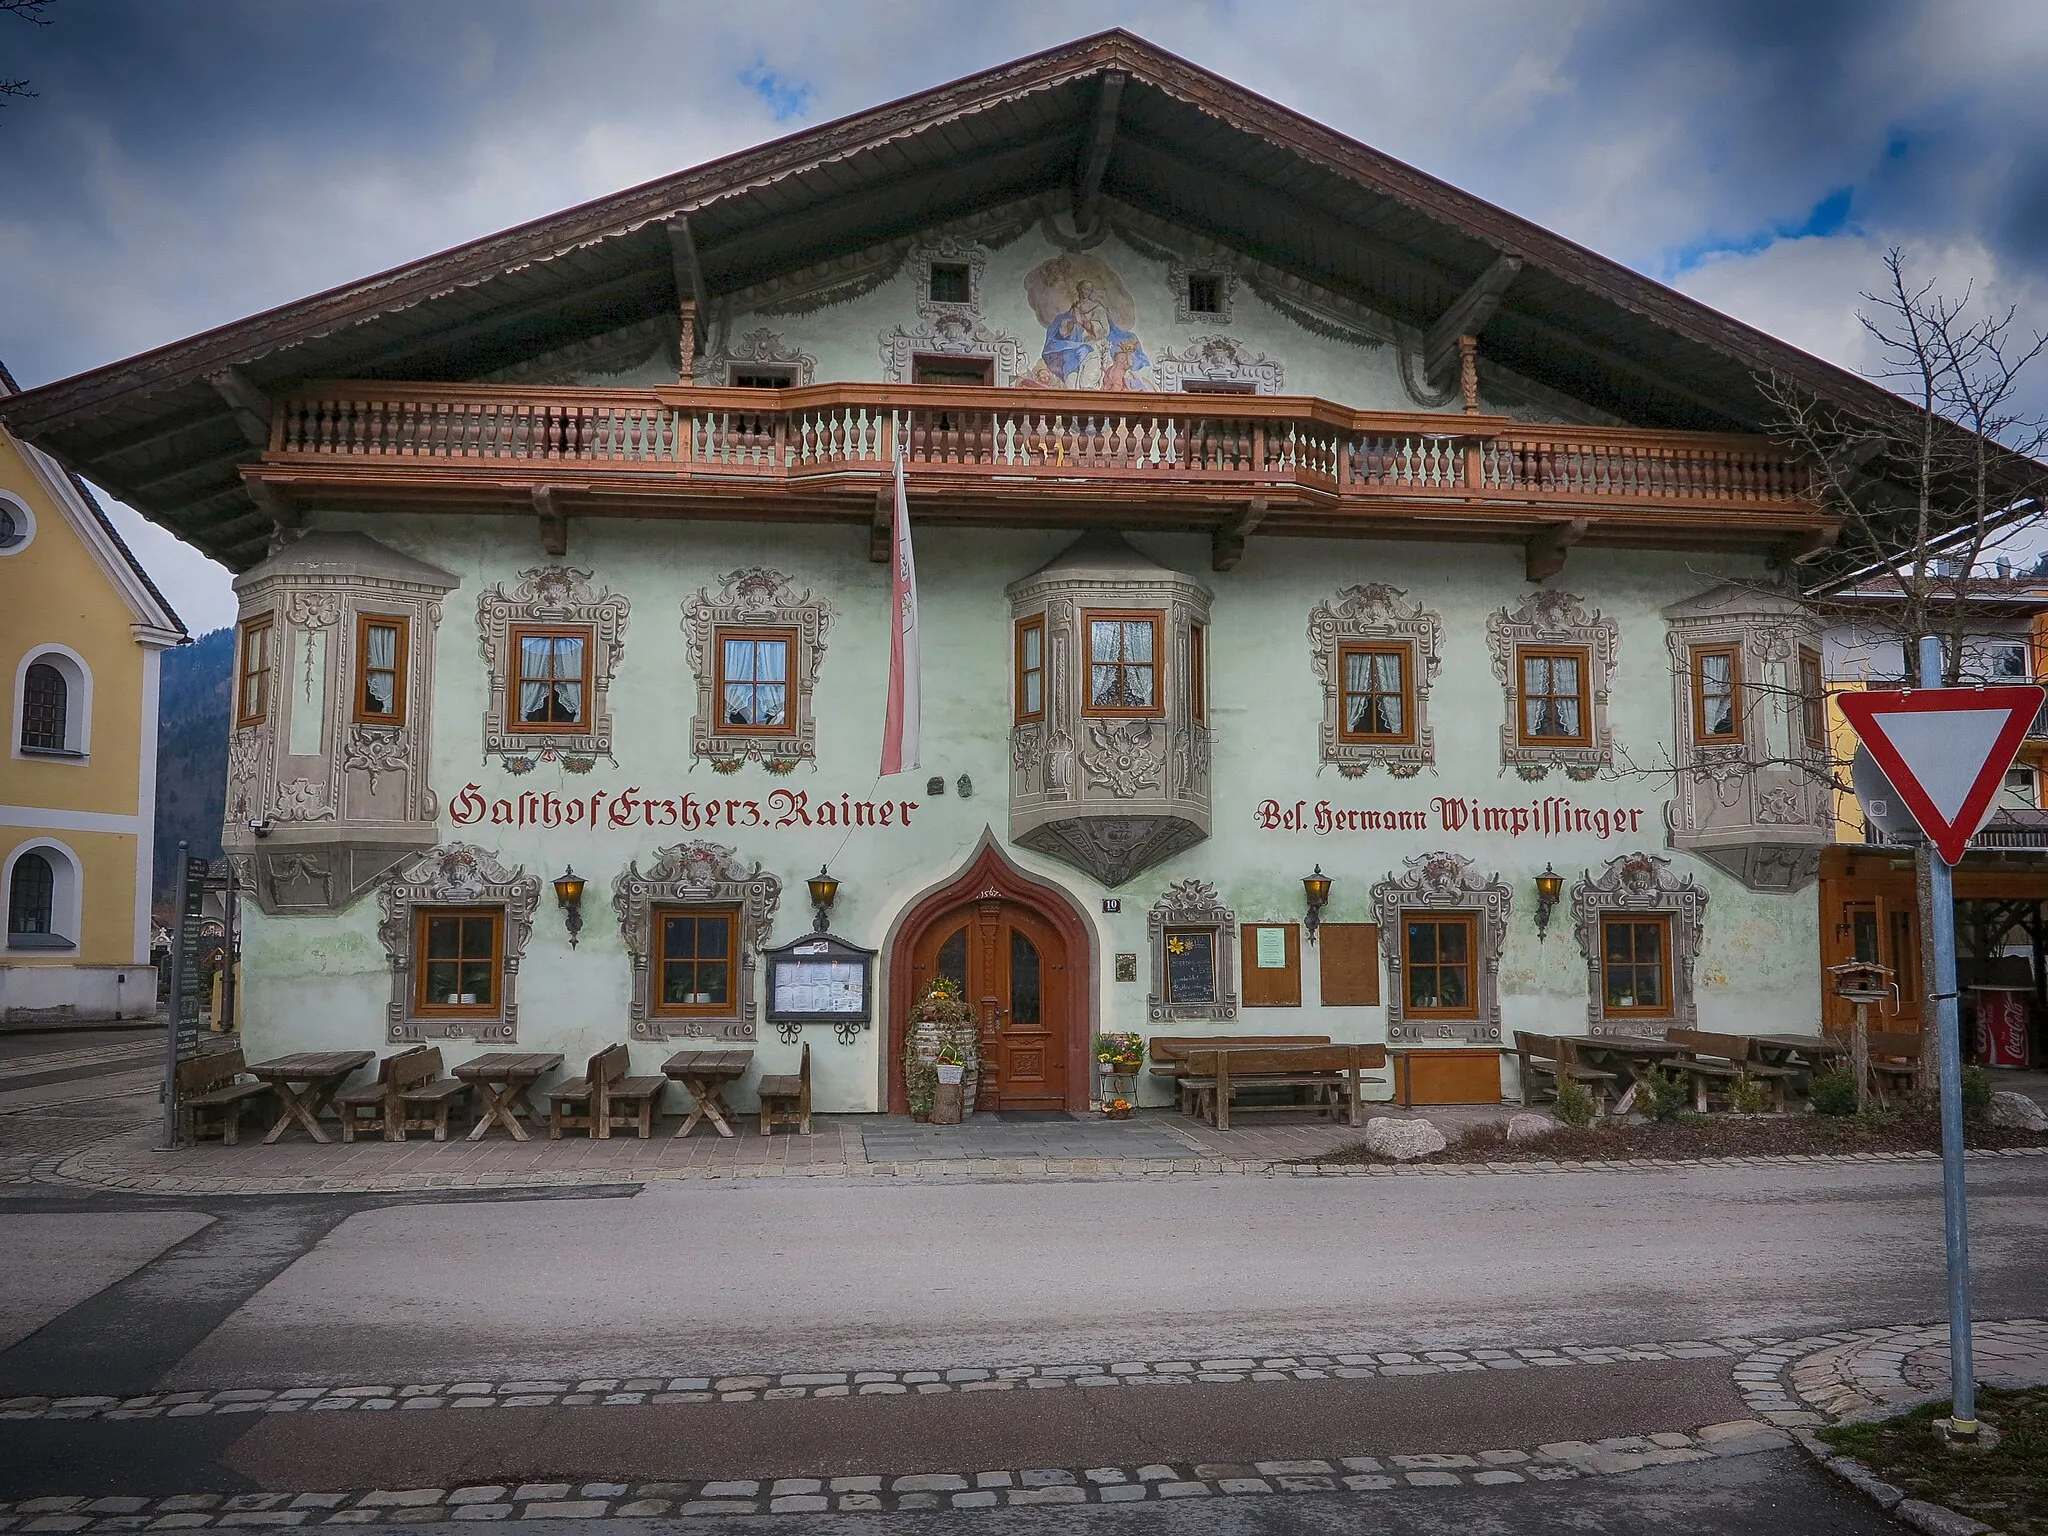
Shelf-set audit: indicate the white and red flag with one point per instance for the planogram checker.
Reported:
(903, 725)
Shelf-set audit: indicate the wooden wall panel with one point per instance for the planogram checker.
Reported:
(1350, 964)
(1277, 987)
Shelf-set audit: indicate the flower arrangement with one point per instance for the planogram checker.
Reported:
(941, 1032)
(1123, 1051)
(949, 1056)
(1117, 1109)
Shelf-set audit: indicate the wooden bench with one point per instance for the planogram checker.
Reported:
(1718, 1058)
(1216, 1076)
(374, 1106)
(609, 1098)
(1894, 1063)
(1556, 1058)
(786, 1098)
(1169, 1054)
(212, 1095)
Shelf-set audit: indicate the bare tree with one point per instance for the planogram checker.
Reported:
(36, 13)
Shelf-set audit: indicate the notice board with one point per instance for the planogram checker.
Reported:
(1351, 964)
(1269, 965)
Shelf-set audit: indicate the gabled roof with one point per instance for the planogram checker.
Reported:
(1110, 115)
(152, 610)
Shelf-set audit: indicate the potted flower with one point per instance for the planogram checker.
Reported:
(941, 1028)
(950, 1065)
(1120, 1053)
(1117, 1109)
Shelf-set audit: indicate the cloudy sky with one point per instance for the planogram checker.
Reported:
(186, 162)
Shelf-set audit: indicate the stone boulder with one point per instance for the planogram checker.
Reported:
(1402, 1140)
(1523, 1129)
(2017, 1112)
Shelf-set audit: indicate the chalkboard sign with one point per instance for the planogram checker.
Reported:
(819, 979)
(1190, 965)
(188, 941)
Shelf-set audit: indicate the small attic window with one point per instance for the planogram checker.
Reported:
(950, 283)
(755, 376)
(1205, 293)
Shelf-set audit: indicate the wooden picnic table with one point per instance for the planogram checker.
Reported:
(705, 1075)
(502, 1080)
(1634, 1057)
(304, 1082)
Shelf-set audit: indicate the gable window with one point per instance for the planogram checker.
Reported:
(550, 679)
(380, 662)
(1375, 706)
(1437, 950)
(460, 951)
(695, 951)
(1198, 674)
(1031, 668)
(1123, 667)
(1636, 966)
(1553, 696)
(45, 708)
(950, 283)
(968, 371)
(252, 697)
(32, 897)
(753, 680)
(1813, 700)
(1205, 293)
(1717, 693)
(755, 376)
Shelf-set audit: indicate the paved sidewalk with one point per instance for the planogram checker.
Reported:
(1910, 1365)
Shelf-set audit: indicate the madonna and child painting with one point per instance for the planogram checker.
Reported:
(1091, 341)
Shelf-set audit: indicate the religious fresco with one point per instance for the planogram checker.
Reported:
(1090, 321)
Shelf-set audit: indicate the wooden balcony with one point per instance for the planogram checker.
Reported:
(1216, 463)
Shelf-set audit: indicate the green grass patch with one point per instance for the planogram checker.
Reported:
(2006, 1487)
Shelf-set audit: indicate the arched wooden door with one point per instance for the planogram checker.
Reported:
(1012, 968)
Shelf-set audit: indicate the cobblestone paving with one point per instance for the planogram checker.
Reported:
(966, 1489)
(1807, 1382)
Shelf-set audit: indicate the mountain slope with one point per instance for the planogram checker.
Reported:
(192, 751)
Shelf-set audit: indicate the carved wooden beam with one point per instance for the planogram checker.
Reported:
(1543, 555)
(881, 527)
(1226, 542)
(689, 274)
(550, 505)
(1813, 542)
(250, 405)
(286, 519)
(1095, 158)
(1467, 316)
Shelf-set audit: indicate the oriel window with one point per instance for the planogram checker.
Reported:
(1717, 694)
(1198, 673)
(1636, 965)
(1376, 705)
(252, 694)
(1031, 668)
(695, 949)
(1436, 964)
(1553, 702)
(1123, 666)
(753, 680)
(380, 661)
(458, 952)
(551, 683)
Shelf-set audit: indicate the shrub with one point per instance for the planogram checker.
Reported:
(1976, 1092)
(1662, 1094)
(1575, 1105)
(1834, 1093)
(1750, 1097)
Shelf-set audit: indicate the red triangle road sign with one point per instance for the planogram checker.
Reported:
(1944, 750)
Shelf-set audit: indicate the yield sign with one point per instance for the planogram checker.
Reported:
(1945, 751)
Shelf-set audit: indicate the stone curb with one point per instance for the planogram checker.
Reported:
(741, 1385)
(1563, 1461)
(1933, 1519)
(94, 1167)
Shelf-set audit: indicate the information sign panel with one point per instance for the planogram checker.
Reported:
(820, 979)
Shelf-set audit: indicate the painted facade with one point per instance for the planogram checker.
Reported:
(81, 632)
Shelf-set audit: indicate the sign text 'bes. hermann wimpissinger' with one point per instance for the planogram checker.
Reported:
(1549, 816)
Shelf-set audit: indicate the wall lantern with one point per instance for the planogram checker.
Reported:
(1549, 887)
(824, 891)
(1316, 889)
(569, 897)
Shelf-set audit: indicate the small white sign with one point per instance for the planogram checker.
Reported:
(1272, 949)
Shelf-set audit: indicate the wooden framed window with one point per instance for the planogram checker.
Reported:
(458, 956)
(968, 371)
(1123, 664)
(1813, 699)
(1031, 668)
(1717, 693)
(752, 686)
(1378, 702)
(1190, 965)
(382, 641)
(1555, 709)
(1198, 673)
(696, 957)
(252, 692)
(1635, 966)
(1438, 952)
(550, 681)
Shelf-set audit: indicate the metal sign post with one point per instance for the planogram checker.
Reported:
(181, 1033)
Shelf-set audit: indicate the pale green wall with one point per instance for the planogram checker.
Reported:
(324, 983)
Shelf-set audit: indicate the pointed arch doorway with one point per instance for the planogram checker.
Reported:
(1023, 955)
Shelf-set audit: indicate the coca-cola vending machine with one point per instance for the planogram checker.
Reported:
(2002, 1026)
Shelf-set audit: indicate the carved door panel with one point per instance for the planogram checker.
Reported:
(1012, 969)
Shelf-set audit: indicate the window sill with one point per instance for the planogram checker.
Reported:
(57, 754)
(42, 941)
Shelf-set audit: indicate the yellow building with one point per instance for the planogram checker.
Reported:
(82, 630)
